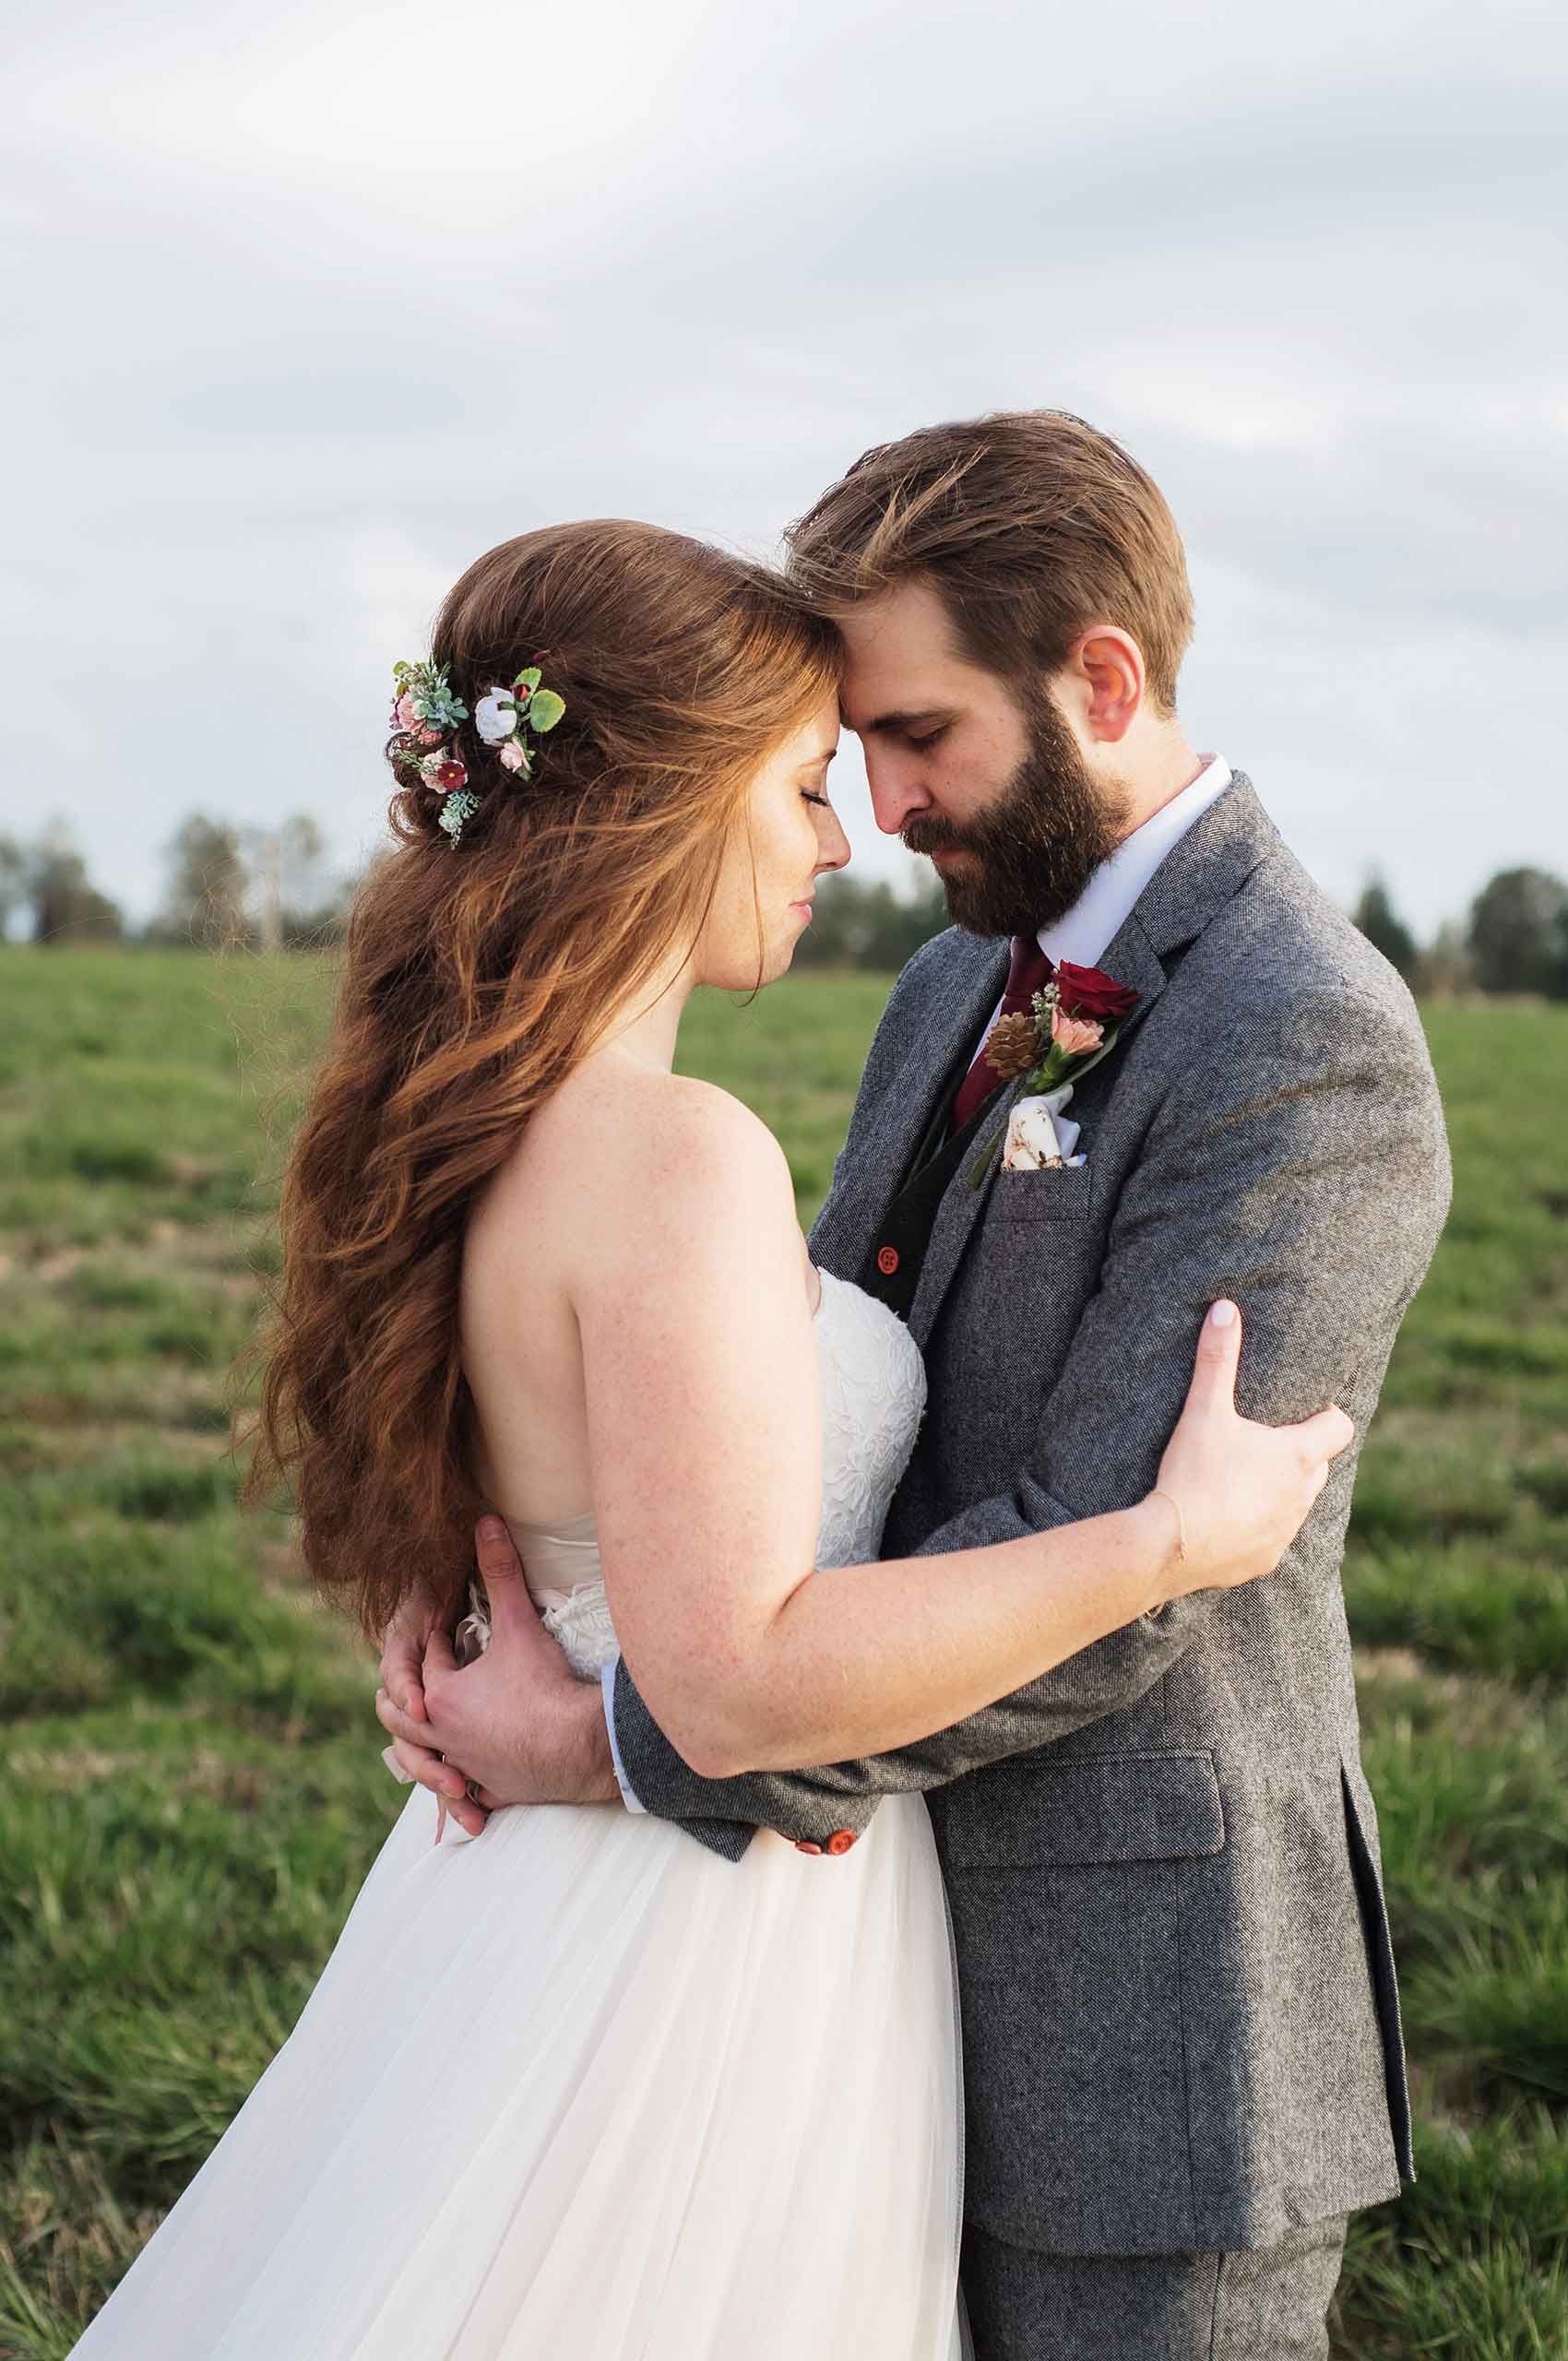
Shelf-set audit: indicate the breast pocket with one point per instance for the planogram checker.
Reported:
(1063, 1197)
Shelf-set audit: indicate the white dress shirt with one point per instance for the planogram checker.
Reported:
(1084, 936)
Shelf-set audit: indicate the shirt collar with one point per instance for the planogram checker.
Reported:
(1097, 916)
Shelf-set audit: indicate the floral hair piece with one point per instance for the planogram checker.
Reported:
(427, 715)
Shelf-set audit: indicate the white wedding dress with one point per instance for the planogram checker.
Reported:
(578, 2090)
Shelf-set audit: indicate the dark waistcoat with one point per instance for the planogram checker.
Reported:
(892, 1268)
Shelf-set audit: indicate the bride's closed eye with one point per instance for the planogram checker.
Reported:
(808, 797)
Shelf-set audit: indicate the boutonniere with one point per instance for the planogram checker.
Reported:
(1072, 1022)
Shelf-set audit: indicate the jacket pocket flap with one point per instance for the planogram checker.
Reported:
(1092, 1807)
(1042, 1196)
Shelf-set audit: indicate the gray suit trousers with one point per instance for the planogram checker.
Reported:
(1269, 2305)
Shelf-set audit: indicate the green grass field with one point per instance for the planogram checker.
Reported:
(192, 1788)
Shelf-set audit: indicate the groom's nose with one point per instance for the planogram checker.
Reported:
(896, 790)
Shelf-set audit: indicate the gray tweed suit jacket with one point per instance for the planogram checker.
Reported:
(1182, 2028)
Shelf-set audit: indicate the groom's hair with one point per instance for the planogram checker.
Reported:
(1030, 525)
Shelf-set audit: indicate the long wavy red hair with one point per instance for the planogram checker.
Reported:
(477, 977)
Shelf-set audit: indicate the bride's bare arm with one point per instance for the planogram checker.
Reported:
(703, 1407)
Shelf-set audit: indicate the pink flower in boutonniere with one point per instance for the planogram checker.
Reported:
(1075, 1036)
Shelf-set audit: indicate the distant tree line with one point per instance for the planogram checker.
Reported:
(268, 890)
(857, 925)
(1516, 939)
(227, 888)
(48, 882)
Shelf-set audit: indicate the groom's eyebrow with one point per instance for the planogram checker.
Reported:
(896, 721)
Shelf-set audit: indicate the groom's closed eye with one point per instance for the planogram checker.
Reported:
(920, 729)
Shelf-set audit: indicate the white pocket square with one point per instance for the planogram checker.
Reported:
(1040, 1136)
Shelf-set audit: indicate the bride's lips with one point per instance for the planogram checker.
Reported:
(803, 907)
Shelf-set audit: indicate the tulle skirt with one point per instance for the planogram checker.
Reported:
(579, 2091)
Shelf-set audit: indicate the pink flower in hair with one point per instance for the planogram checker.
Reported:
(513, 757)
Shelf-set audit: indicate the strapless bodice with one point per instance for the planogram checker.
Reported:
(873, 1392)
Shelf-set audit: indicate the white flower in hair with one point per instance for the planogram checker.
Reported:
(495, 716)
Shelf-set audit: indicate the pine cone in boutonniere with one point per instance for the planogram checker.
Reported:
(1010, 1046)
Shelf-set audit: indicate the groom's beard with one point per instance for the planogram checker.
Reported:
(1033, 852)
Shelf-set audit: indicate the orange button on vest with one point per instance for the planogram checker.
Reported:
(840, 1840)
(887, 1260)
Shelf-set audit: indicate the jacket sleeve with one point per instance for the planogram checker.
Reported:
(1304, 1172)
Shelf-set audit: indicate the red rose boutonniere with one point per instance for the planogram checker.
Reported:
(1089, 993)
(1073, 1023)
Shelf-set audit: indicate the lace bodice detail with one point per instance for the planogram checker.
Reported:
(873, 1386)
(872, 1389)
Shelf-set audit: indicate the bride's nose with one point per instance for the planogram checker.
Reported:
(833, 848)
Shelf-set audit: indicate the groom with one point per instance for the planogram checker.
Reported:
(1181, 2026)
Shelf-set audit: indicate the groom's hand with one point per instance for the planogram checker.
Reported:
(517, 1723)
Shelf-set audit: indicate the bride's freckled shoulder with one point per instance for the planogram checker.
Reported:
(668, 1132)
(625, 1168)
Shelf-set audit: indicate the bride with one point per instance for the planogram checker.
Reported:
(582, 2091)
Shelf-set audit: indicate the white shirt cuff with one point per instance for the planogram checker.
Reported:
(607, 1688)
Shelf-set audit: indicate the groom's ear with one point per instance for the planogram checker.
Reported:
(1102, 684)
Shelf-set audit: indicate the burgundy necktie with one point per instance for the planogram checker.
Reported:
(1029, 974)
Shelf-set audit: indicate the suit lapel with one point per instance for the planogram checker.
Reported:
(904, 1110)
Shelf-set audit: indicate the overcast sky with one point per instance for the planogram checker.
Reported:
(319, 304)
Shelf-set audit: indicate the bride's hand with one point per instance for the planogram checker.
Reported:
(403, 1647)
(516, 1722)
(1243, 1491)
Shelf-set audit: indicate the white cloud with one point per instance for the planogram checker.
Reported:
(317, 312)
